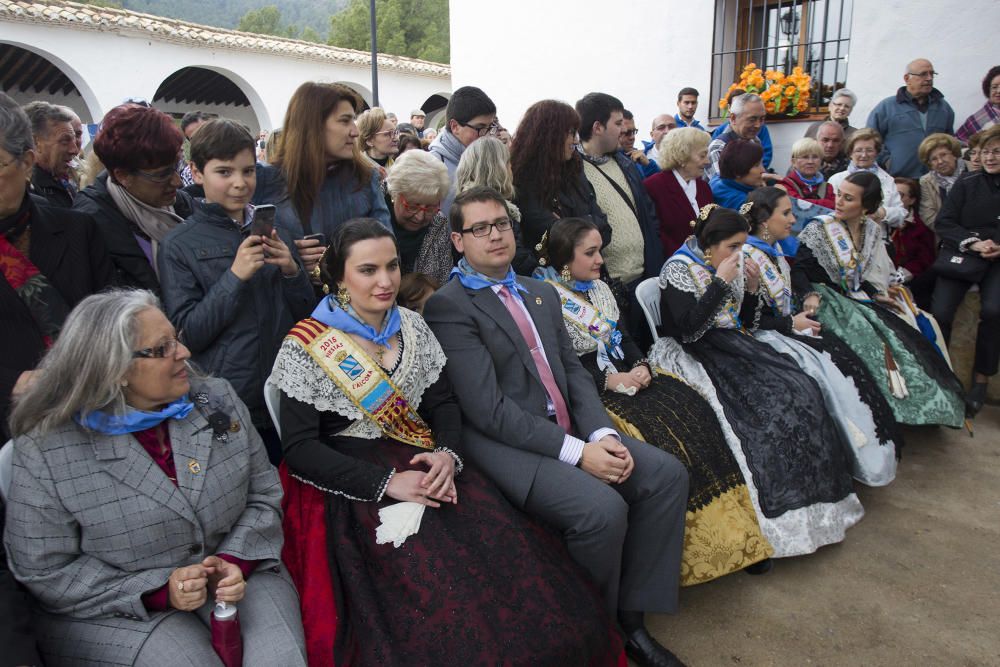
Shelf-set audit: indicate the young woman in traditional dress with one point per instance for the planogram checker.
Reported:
(453, 574)
(852, 397)
(722, 534)
(789, 448)
(842, 273)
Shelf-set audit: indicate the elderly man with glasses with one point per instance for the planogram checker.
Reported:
(746, 121)
(916, 111)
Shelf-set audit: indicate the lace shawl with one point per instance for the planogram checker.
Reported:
(603, 299)
(300, 377)
(676, 274)
(815, 237)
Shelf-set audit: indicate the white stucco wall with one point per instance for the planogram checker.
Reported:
(108, 67)
(559, 52)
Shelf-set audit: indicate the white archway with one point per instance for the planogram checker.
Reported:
(256, 104)
(93, 107)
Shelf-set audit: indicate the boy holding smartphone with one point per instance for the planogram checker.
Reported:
(231, 278)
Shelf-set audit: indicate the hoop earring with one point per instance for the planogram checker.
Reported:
(565, 275)
(343, 296)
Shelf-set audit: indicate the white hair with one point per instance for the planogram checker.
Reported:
(740, 101)
(418, 174)
(84, 369)
(844, 92)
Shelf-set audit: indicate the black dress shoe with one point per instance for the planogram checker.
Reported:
(647, 652)
(975, 398)
(763, 567)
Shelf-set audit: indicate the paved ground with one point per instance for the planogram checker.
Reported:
(917, 582)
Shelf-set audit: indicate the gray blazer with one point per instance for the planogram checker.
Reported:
(93, 523)
(506, 430)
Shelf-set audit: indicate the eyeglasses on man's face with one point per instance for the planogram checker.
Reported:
(167, 350)
(481, 229)
(483, 130)
(923, 75)
(630, 133)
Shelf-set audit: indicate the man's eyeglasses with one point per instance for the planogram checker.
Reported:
(492, 128)
(168, 349)
(663, 127)
(428, 210)
(630, 133)
(481, 229)
(923, 75)
(392, 133)
(159, 177)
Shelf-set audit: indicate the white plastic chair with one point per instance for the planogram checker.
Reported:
(272, 399)
(6, 467)
(648, 296)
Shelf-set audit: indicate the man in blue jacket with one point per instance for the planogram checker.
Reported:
(916, 111)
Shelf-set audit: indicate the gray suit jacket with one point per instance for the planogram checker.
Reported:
(93, 523)
(506, 430)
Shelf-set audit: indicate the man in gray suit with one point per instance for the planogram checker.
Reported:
(533, 422)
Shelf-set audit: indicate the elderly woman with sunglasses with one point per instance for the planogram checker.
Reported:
(417, 183)
(137, 199)
(141, 497)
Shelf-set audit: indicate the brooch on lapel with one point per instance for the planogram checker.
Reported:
(216, 412)
(538, 300)
(219, 421)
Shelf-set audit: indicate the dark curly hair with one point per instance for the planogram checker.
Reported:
(992, 74)
(536, 156)
(134, 137)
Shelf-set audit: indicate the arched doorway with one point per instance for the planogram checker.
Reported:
(28, 74)
(435, 106)
(214, 91)
(363, 93)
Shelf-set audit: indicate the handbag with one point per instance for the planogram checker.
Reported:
(957, 265)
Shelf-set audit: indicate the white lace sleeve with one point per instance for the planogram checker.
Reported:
(677, 274)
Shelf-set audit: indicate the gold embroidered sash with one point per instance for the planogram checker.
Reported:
(777, 283)
(363, 381)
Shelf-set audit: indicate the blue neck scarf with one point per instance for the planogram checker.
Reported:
(771, 250)
(472, 279)
(690, 249)
(549, 273)
(329, 312)
(814, 181)
(133, 420)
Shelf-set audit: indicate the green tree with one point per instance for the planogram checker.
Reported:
(310, 35)
(423, 34)
(263, 21)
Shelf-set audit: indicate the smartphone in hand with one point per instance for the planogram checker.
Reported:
(263, 220)
(321, 237)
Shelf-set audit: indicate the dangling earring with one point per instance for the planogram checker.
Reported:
(708, 255)
(565, 275)
(765, 236)
(343, 296)
(124, 383)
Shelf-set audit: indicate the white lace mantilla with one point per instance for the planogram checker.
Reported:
(603, 299)
(300, 377)
(815, 237)
(677, 274)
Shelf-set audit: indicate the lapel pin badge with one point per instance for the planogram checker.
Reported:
(538, 300)
(194, 467)
(234, 427)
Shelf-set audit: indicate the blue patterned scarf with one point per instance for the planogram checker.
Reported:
(472, 279)
(133, 420)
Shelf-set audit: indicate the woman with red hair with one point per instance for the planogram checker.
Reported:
(136, 199)
(549, 182)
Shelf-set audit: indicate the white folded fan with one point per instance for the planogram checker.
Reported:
(399, 521)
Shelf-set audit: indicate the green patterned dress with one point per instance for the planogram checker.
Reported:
(846, 279)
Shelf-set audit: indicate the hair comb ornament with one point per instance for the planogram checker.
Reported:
(541, 248)
(706, 210)
(745, 209)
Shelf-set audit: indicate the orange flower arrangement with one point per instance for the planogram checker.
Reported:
(782, 94)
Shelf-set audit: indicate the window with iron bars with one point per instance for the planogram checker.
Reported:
(781, 35)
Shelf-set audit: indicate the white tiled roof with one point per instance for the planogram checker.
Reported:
(90, 17)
